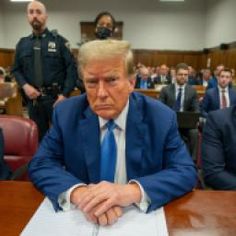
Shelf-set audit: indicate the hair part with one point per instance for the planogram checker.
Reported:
(106, 49)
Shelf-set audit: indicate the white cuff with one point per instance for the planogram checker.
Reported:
(64, 198)
(145, 200)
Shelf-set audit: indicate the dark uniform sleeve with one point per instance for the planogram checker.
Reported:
(72, 78)
(17, 67)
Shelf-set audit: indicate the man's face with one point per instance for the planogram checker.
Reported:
(107, 86)
(181, 76)
(163, 70)
(37, 16)
(224, 79)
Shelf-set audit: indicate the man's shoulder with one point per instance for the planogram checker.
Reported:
(73, 104)
(223, 116)
(150, 105)
(24, 39)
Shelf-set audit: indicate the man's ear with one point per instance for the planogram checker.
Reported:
(132, 82)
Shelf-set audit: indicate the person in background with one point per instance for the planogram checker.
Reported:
(2, 75)
(182, 97)
(5, 172)
(44, 68)
(169, 94)
(105, 25)
(143, 79)
(213, 82)
(219, 149)
(163, 77)
(206, 76)
(221, 96)
(134, 155)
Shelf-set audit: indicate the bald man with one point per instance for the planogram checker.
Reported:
(44, 67)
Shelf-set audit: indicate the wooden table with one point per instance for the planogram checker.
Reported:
(203, 213)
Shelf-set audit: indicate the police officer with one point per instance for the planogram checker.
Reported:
(44, 68)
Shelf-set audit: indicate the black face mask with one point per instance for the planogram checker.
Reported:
(103, 33)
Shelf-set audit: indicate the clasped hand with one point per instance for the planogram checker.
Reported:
(102, 203)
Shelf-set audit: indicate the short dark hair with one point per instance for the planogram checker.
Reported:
(226, 70)
(183, 66)
(105, 13)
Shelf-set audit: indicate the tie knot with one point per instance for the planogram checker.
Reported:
(223, 90)
(180, 90)
(110, 125)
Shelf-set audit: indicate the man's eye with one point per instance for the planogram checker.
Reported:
(112, 80)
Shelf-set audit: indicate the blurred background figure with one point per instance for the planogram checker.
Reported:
(105, 25)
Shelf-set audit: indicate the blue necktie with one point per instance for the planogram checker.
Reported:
(143, 84)
(108, 153)
(178, 100)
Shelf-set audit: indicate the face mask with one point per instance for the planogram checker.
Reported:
(103, 33)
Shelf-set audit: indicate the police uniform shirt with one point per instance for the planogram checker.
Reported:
(58, 64)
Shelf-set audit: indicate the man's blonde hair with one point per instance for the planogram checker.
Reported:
(105, 49)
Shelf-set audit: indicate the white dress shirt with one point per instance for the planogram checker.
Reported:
(120, 172)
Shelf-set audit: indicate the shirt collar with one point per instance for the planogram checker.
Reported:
(178, 86)
(226, 89)
(43, 35)
(120, 121)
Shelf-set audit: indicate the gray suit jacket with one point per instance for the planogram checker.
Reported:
(167, 96)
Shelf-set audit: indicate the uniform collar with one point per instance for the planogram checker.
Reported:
(43, 35)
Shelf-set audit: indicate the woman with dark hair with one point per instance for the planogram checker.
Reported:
(105, 25)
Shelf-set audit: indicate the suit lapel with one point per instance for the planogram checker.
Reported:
(135, 139)
(89, 128)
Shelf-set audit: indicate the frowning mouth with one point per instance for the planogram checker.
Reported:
(103, 107)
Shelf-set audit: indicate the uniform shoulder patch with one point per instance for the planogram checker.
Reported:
(67, 44)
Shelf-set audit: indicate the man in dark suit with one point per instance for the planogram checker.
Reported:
(163, 77)
(147, 165)
(219, 149)
(213, 82)
(221, 96)
(143, 79)
(188, 100)
(182, 97)
(4, 169)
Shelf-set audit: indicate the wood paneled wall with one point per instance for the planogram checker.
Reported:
(197, 59)
(170, 58)
(6, 57)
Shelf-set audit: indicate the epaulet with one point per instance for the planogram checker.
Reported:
(54, 33)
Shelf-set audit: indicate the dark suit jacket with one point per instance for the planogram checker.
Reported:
(167, 96)
(212, 83)
(150, 83)
(219, 149)
(155, 154)
(211, 100)
(157, 80)
(4, 169)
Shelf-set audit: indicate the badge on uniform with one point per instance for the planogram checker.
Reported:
(52, 47)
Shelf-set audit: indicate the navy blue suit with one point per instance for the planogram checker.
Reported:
(212, 83)
(211, 100)
(155, 154)
(150, 83)
(219, 149)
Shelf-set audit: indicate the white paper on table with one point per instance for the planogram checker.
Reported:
(47, 222)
